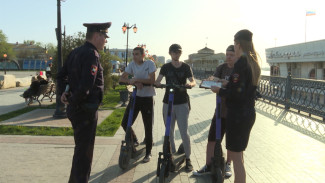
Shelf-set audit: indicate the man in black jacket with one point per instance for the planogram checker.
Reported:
(83, 73)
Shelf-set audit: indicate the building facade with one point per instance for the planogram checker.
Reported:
(304, 60)
(205, 61)
(121, 53)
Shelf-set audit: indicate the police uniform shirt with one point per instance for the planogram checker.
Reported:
(85, 75)
(240, 91)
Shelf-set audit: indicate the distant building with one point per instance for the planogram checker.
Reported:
(205, 61)
(28, 57)
(121, 53)
(304, 60)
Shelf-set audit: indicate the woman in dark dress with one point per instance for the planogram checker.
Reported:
(240, 93)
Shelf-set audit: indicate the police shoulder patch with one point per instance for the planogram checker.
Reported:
(94, 70)
(235, 77)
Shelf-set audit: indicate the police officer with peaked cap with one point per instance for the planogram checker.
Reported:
(83, 73)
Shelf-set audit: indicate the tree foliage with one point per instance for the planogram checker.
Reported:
(74, 41)
(5, 48)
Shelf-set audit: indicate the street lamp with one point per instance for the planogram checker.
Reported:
(5, 64)
(126, 28)
(60, 107)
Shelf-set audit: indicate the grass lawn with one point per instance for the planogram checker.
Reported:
(112, 98)
(107, 128)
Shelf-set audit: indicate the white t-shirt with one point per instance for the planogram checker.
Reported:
(142, 72)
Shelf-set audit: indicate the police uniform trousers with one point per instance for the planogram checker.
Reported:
(84, 124)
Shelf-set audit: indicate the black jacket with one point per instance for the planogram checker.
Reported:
(84, 74)
(240, 91)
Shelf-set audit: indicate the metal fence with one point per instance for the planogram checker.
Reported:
(300, 94)
(305, 95)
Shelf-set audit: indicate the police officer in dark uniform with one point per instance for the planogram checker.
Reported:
(83, 73)
(240, 95)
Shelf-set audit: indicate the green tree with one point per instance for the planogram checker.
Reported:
(51, 50)
(5, 48)
(74, 41)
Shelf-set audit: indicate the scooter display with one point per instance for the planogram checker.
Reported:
(168, 162)
(128, 150)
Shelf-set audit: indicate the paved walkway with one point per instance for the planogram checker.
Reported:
(277, 151)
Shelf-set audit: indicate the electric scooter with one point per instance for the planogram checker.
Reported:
(218, 161)
(168, 162)
(128, 150)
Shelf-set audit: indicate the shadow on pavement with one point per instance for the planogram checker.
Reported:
(192, 131)
(312, 127)
(113, 172)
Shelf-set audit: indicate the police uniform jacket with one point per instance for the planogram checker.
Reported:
(84, 74)
(240, 91)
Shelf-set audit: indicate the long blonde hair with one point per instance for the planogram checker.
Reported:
(252, 58)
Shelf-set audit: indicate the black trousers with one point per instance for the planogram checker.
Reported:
(145, 105)
(84, 124)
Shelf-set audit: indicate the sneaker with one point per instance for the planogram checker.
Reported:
(228, 172)
(147, 158)
(188, 166)
(204, 170)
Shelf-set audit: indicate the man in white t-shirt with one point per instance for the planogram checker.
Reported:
(143, 72)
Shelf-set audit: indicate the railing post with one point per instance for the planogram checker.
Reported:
(287, 95)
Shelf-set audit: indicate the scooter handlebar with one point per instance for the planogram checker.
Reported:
(173, 86)
(122, 83)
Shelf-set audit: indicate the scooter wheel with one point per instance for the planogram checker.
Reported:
(124, 159)
(217, 178)
(158, 168)
(163, 173)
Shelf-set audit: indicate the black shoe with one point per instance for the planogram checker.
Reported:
(188, 166)
(147, 158)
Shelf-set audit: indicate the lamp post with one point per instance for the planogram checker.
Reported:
(126, 28)
(60, 107)
(5, 64)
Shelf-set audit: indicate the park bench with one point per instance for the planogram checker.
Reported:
(48, 92)
(45, 90)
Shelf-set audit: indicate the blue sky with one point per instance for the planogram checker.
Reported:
(191, 23)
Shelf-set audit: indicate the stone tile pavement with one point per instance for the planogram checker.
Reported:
(277, 152)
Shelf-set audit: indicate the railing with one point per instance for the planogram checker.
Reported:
(300, 94)
(202, 74)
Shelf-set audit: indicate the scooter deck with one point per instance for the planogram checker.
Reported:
(178, 160)
(138, 151)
